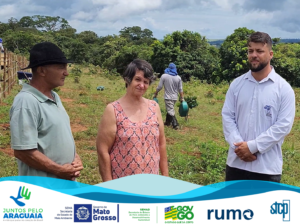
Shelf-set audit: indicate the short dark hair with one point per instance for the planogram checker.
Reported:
(260, 37)
(138, 64)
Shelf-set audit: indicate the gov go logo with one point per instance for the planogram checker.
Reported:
(282, 209)
(180, 212)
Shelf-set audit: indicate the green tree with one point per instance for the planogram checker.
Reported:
(276, 40)
(13, 23)
(189, 51)
(110, 50)
(21, 41)
(233, 55)
(27, 22)
(68, 32)
(49, 23)
(130, 52)
(286, 62)
(88, 37)
(3, 28)
(137, 35)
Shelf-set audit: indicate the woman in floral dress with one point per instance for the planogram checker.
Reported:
(131, 137)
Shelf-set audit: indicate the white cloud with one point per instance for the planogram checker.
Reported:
(151, 22)
(124, 8)
(7, 11)
(212, 18)
(82, 16)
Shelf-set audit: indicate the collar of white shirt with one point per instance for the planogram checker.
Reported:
(272, 76)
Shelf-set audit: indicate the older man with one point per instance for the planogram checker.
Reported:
(40, 127)
(258, 113)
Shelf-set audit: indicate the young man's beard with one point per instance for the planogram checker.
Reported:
(260, 67)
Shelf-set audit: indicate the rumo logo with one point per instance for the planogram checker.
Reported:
(282, 209)
(180, 212)
(229, 214)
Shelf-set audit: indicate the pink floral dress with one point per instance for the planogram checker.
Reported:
(136, 147)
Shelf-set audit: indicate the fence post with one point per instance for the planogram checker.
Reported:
(4, 75)
(13, 68)
(9, 73)
(11, 65)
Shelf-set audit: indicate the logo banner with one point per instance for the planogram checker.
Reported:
(48, 200)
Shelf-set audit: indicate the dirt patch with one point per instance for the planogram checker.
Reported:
(196, 154)
(66, 90)
(170, 141)
(95, 96)
(83, 105)
(66, 100)
(85, 151)
(8, 152)
(78, 127)
(80, 143)
(186, 130)
(215, 114)
(4, 127)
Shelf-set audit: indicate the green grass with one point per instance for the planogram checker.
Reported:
(196, 152)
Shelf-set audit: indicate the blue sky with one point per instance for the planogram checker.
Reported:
(214, 19)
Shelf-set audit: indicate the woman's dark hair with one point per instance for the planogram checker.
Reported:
(141, 65)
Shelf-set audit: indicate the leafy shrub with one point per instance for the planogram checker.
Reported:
(191, 101)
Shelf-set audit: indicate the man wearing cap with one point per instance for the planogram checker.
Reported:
(172, 84)
(41, 135)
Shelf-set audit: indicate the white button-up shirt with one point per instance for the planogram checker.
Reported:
(261, 114)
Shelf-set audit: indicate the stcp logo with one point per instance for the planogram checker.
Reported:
(282, 209)
(179, 213)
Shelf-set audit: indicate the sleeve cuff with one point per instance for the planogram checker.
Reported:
(252, 146)
(234, 138)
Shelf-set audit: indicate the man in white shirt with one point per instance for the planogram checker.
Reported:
(258, 113)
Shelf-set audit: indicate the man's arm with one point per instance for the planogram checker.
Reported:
(283, 125)
(180, 90)
(231, 132)
(24, 143)
(181, 96)
(39, 161)
(163, 163)
(105, 140)
(159, 87)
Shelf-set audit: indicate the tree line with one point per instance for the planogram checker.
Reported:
(190, 51)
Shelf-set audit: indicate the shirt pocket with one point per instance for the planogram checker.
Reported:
(269, 113)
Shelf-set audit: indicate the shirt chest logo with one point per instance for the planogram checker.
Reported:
(268, 110)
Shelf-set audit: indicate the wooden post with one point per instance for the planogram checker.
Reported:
(4, 75)
(14, 68)
(23, 62)
(9, 85)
